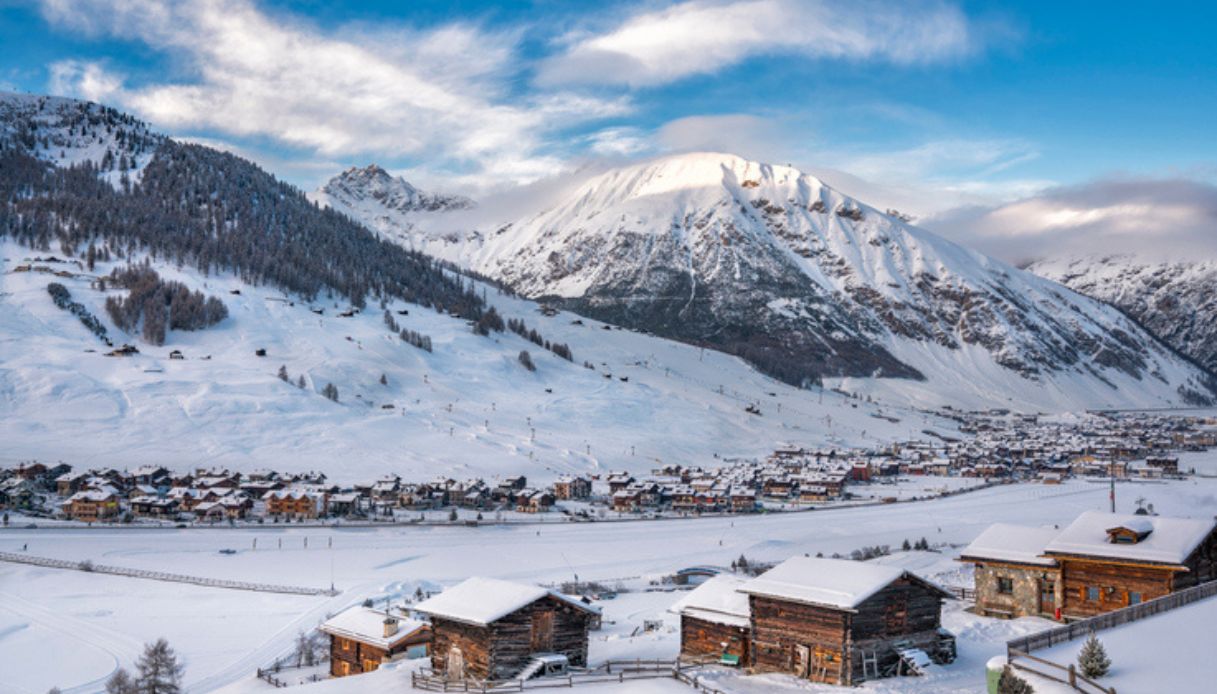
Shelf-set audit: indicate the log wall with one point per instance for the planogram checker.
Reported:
(779, 627)
(700, 637)
(499, 651)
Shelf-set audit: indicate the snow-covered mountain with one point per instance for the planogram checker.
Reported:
(418, 391)
(67, 132)
(388, 204)
(773, 265)
(1176, 300)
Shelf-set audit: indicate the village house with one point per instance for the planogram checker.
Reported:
(294, 504)
(92, 505)
(69, 483)
(487, 629)
(715, 621)
(842, 622)
(618, 481)
(572, 488)
(362, 639)
(1108, 560)
(1012, 577)
(1099, 563)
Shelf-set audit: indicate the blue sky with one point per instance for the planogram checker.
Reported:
(929, 106)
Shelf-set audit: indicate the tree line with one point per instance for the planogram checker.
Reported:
(198, 207)
(159, 305)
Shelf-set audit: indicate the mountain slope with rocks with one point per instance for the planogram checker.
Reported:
(1176, 300)
(810, 285)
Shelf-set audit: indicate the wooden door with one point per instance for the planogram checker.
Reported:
(456, 664)
(542, 632)
(802, 660)
(1047, 597)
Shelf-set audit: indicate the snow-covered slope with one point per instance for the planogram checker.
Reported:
(772, 264)
(1176, 300)
(68, 132)
(467, 408)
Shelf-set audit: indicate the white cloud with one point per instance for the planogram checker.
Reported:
(441, 94)
(1168, 217)
(703, 36)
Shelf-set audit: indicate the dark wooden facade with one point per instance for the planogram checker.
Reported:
(352, 657)
(499, 650)
(827, 644)
(1094, 585)
(701, 637)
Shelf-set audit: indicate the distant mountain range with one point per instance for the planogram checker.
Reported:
(812, 285)
(764, 262)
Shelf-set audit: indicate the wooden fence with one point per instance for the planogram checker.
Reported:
(1107, 620)
(1058, 673)
(90, 567)
(611, 671)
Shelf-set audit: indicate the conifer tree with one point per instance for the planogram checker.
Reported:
(1093, 658)
(1010, 683)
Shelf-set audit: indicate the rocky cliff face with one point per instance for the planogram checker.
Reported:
(1177, 301)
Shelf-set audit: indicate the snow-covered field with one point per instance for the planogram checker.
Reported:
(469, 408)
(87, 623)
(1141, 651)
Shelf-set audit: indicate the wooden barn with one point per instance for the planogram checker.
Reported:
(715, 621)
(486, 629)
(362, 638)
(1108, 560)
(841, 622)
(1013, 578)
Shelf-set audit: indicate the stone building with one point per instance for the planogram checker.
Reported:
(1012, 577)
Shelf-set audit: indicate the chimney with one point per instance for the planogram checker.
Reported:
(390, 626)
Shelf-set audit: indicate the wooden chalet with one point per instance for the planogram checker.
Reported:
(362, 638)
(1108, 560)
(92, 505)
(486, 629)
(841, 622)
(715, 621)
(292, 504)
(570, 488)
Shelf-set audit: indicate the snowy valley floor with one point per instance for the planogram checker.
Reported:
(86, 624)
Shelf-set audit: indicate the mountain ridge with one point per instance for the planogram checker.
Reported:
(776, 266)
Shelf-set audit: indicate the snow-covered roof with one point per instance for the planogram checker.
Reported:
(717, 600)
(1012, 543)
(481, 601)
(366, 625)
(838, 583)
(1170, 540)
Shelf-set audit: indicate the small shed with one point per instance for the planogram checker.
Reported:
(842, 622)
(715, 621)
(362, 638)
(487, 629)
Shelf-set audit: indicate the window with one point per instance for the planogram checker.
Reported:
(1092, 594)
(1133, 597)
(1005, 586)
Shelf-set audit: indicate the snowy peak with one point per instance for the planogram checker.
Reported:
(68, 132)
(807, 283)
(372, 186)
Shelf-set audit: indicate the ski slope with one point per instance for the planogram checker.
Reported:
(466, 409)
